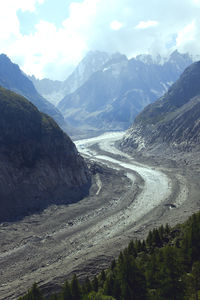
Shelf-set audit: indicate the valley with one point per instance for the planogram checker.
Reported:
(127, 198)
(99, 150)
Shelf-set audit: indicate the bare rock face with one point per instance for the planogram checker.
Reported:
(173, 120)
(39, 164)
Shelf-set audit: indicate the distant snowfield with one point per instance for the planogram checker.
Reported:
(157, 187)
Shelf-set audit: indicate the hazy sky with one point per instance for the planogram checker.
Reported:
(48, 38)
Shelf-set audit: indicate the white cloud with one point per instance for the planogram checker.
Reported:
(196, 2)
(188, 38)
(187, 34)
(9, 23)
(26, 5)
(146, 24)
(116, 25)
(90, 25)
(48, 44)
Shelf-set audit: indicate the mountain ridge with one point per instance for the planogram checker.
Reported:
(173, 120)
(128, 84)
(12, 78)
(54, 91)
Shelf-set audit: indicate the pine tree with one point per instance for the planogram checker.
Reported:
(132, 281)
(67, 295)
(75, 289)
(196, 278)
(156, 238)
(109, 285)
(102, 278)
(95, 284)
(113, 264)
(131, 249)
(170, 284)
(87, 286)
(33, 294)
(149, 240)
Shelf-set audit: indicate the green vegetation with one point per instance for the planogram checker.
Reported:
(25, 132)
(166, 266)
(33, 294)
(20, 117)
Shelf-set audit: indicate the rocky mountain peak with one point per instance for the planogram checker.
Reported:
(117, 58)
(4, 58)
(55, 91)
(90, 64)
(11, 76)
(181, 60)
(145, 58)
(95, 58)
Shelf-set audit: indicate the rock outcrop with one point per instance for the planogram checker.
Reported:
(173, 120)
(39, 164)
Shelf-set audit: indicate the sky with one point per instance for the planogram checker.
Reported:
(48, 38)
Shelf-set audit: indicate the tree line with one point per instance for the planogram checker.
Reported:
(164, 266)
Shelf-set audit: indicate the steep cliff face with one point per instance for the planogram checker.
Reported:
(39, 164)
(173, 120)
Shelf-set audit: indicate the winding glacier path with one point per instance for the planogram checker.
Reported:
(83, 237)
(157, 186)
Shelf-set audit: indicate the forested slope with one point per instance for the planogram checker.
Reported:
(164, 266)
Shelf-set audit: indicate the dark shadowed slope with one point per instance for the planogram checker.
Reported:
(39, 164)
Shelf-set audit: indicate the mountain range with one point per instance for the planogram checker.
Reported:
(112, 97)
(106, 92)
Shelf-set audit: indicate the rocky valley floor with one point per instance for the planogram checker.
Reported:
(127, 198)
